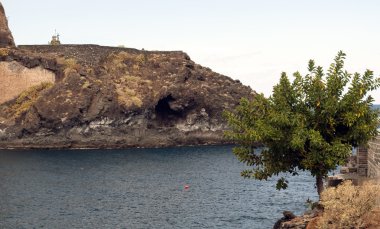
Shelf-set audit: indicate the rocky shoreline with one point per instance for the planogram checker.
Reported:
(59, 145)
(291, 221)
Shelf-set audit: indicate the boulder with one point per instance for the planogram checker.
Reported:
(306, 221)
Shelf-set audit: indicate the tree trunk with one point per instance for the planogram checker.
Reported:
(319, 180)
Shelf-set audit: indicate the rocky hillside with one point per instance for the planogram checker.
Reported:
(106, 97)
(89, 96)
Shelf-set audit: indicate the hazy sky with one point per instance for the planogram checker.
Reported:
(253, 41)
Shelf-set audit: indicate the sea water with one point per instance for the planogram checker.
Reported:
(185, 187)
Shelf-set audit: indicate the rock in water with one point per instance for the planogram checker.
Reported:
(288, 215)
(6, 38)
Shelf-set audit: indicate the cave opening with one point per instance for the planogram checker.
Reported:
(163, 110)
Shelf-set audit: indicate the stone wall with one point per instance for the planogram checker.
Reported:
(362, 161)
(374, 157)
(15, 78)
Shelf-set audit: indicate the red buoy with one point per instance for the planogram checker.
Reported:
(187, 186)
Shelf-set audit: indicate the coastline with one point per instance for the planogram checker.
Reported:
(10, 146)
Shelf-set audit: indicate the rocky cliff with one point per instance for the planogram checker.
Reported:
(89, 96)
(6, 38)
(107, 97)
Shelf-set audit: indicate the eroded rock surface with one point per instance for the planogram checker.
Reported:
(6, 38)
(107, 97)
(306, 221)
(15, 78)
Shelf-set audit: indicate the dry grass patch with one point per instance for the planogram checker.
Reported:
(128, 97)
(86, 84)
(346, 206)
(70, 65)
(4, 52)
(118, 62)
(27, 98)
(129, 90)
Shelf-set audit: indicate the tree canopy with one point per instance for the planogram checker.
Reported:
(311, 123)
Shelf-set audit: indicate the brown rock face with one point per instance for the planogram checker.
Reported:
(108, 97)
(6, 38)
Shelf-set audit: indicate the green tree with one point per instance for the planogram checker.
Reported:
(309, 124)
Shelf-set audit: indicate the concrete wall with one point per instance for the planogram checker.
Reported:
(15, 78)
(374, 157)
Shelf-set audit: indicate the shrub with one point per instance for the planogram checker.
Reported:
(140, 58)
(346, 205)
(69, 64)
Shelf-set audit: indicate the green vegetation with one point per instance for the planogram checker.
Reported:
(308, 124)
(27, 98)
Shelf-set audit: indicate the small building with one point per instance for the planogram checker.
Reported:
(55, 40)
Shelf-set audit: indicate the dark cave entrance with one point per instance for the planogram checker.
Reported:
(164, 111)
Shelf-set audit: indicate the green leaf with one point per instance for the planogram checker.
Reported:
(308, 124)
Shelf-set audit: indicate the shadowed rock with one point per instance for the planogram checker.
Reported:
(6, 38)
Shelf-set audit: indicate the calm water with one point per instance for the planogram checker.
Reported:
(140, 188)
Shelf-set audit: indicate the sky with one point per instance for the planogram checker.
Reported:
(250, 40)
